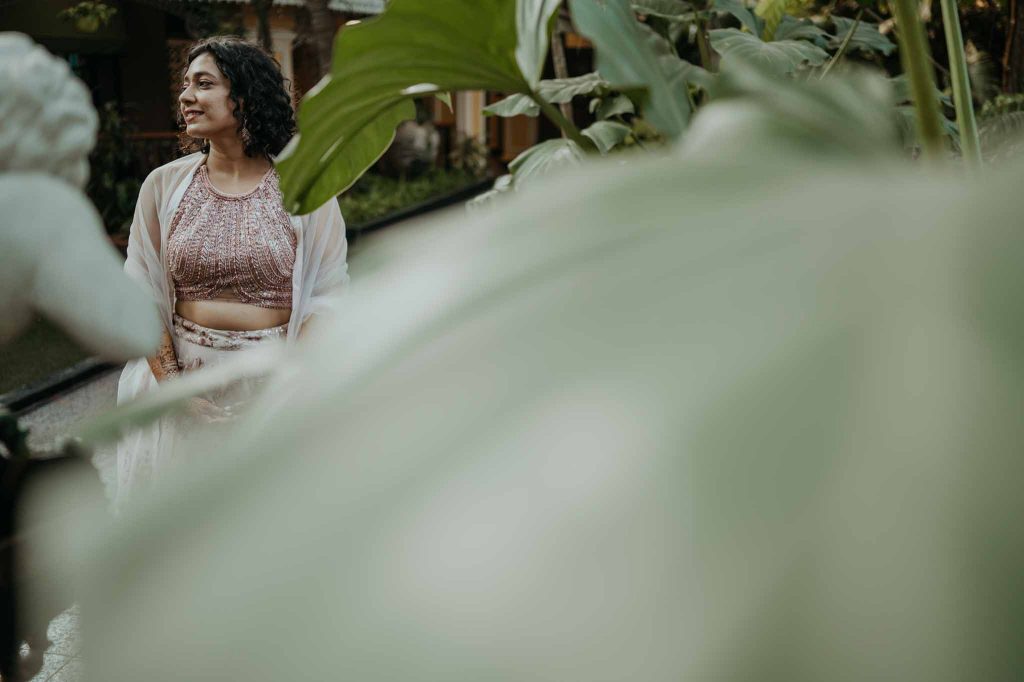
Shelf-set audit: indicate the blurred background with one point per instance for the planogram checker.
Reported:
(130, 55)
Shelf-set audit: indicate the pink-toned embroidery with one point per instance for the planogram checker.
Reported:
(242, 244)
(223, 339)
(191, 365)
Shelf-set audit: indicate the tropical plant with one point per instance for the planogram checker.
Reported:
(962, 97)
(642, 93)
(381, 65)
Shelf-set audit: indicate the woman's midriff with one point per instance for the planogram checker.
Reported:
(232, 315)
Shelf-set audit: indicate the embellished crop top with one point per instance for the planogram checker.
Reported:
(239, 245)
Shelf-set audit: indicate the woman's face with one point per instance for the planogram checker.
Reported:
(204, 100)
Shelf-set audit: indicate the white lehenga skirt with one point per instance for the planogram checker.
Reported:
(145, 454)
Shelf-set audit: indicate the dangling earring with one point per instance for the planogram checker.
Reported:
(246, 137)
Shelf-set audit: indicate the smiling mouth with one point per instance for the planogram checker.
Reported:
(190, 115)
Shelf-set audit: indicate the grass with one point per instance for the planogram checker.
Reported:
(375, 196)
(40, 351)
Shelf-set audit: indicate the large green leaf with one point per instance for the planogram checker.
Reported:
(738, 9)
(607, 134)
(866, 38)
(781, 56)
(543, 158)
(791, 28)
(513, 105)
(772, 12)
(849, 117)
(555, 91)
(673, 10)
(679, 72)
(416, 48)
(627, 57)
(617, 105)
(533, 23)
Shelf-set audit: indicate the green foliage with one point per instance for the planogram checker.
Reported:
(417, 47)
(94, 13)
(847, 116)
(771, 12)
(906, 113)
(471, 155)
(1002, 104)
(554, 91)
(673, 10)
(628, 57)
(866, 37)
(114, 174)
(542, 158)
(781, 56)
(609, 107)
(669, 18)
(375, 196)
(607, 134)
(791, 28)
(533, 30)
(738, 9)
(411, 50)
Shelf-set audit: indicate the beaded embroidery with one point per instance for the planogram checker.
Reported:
(243, 245)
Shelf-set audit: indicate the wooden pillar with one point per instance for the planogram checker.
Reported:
(469, 115)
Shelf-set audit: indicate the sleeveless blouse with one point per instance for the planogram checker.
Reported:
(243, 244)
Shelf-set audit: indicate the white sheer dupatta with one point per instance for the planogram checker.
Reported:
(320, 269)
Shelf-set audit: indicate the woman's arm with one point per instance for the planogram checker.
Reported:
(325, 269)
(164, 364)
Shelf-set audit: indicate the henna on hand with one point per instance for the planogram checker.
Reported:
(165, 364)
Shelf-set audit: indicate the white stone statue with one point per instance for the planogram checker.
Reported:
(54, 257)
(55, 260)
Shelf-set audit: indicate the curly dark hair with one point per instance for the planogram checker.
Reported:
(263, 106)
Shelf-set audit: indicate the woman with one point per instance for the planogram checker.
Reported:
(228, 268)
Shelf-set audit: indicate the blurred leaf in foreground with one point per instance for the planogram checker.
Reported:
(737, 417)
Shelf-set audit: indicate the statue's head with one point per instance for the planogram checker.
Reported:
(49, 121)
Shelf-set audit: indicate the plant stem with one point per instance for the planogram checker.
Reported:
(560, 66)
(969, 144)
(879, 19)
(564, 124)
(702, 44)
(845, 44)
(914, 56)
